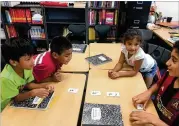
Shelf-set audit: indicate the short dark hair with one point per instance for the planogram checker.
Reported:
(15, 48)
(59, 44)
(131, 34)
(176, 46)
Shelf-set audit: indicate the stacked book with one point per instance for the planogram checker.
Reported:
(18, 15)
(37, 17)
(37, 32)
(103, 17)
(9, 3)
(11, 31)
(108, 4)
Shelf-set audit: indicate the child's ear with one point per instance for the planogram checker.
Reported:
(13, 62)
(55, 55)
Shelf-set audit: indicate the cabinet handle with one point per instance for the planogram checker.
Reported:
(139, 8)
(136, 21)
(135, 27)
(139, 2)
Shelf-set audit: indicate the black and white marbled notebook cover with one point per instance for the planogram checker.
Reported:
(98, 59)
(79, 48)
(28, 103)
(110, 115)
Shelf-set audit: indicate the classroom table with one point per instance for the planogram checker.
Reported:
(63, 110)
(77, 63)
(112, 50)
(163, 33)
(127, 87)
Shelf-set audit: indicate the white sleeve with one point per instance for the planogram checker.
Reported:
(123, 49)
(140, 54)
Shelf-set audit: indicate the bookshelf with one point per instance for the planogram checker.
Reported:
(25, 14)
(103, 12)
(104, 8)
(64, 23)
(54, 20)
(57, 19)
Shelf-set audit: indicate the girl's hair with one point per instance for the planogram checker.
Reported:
(176, 46)
(131, 34)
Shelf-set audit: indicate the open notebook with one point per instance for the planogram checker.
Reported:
(34, 102)
(98, 59)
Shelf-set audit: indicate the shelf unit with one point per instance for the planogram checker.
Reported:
(23, 7)
(57, 19)
(46, 22)
(100, 13)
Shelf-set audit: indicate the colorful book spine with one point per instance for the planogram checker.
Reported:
(28, 16)
(103, 16)
(109, 18)
(8, 16)
(11, 31)
(18, 15)
(91, 34)
(116, 19)
(37, 32)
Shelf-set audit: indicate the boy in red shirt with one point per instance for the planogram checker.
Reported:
(47, 65)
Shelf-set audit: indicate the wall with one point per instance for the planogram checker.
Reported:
(169, 9)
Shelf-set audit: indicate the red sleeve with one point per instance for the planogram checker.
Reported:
(161, 80)
(41, 72)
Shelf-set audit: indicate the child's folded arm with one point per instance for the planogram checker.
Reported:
(133, 72)
(41, 92)
(23, 96)
(33, 85)
(54, 78)
(120, 63)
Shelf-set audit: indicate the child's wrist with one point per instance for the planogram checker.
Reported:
(32, 93)
(158, 122)
(119, 75)
(150, 92)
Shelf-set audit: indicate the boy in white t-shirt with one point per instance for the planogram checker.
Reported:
(134, 55)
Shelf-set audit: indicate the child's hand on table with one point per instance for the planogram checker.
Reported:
(57, 76)
(113, 75)
(50, 87)
(40, 92)
(142, 98)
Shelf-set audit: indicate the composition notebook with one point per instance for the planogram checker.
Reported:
(173, 39)
(98, 59)
(34, 102)
(80, 48)
(101, 115)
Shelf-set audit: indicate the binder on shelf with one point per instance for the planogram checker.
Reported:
(116, 15)
(91, 34)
